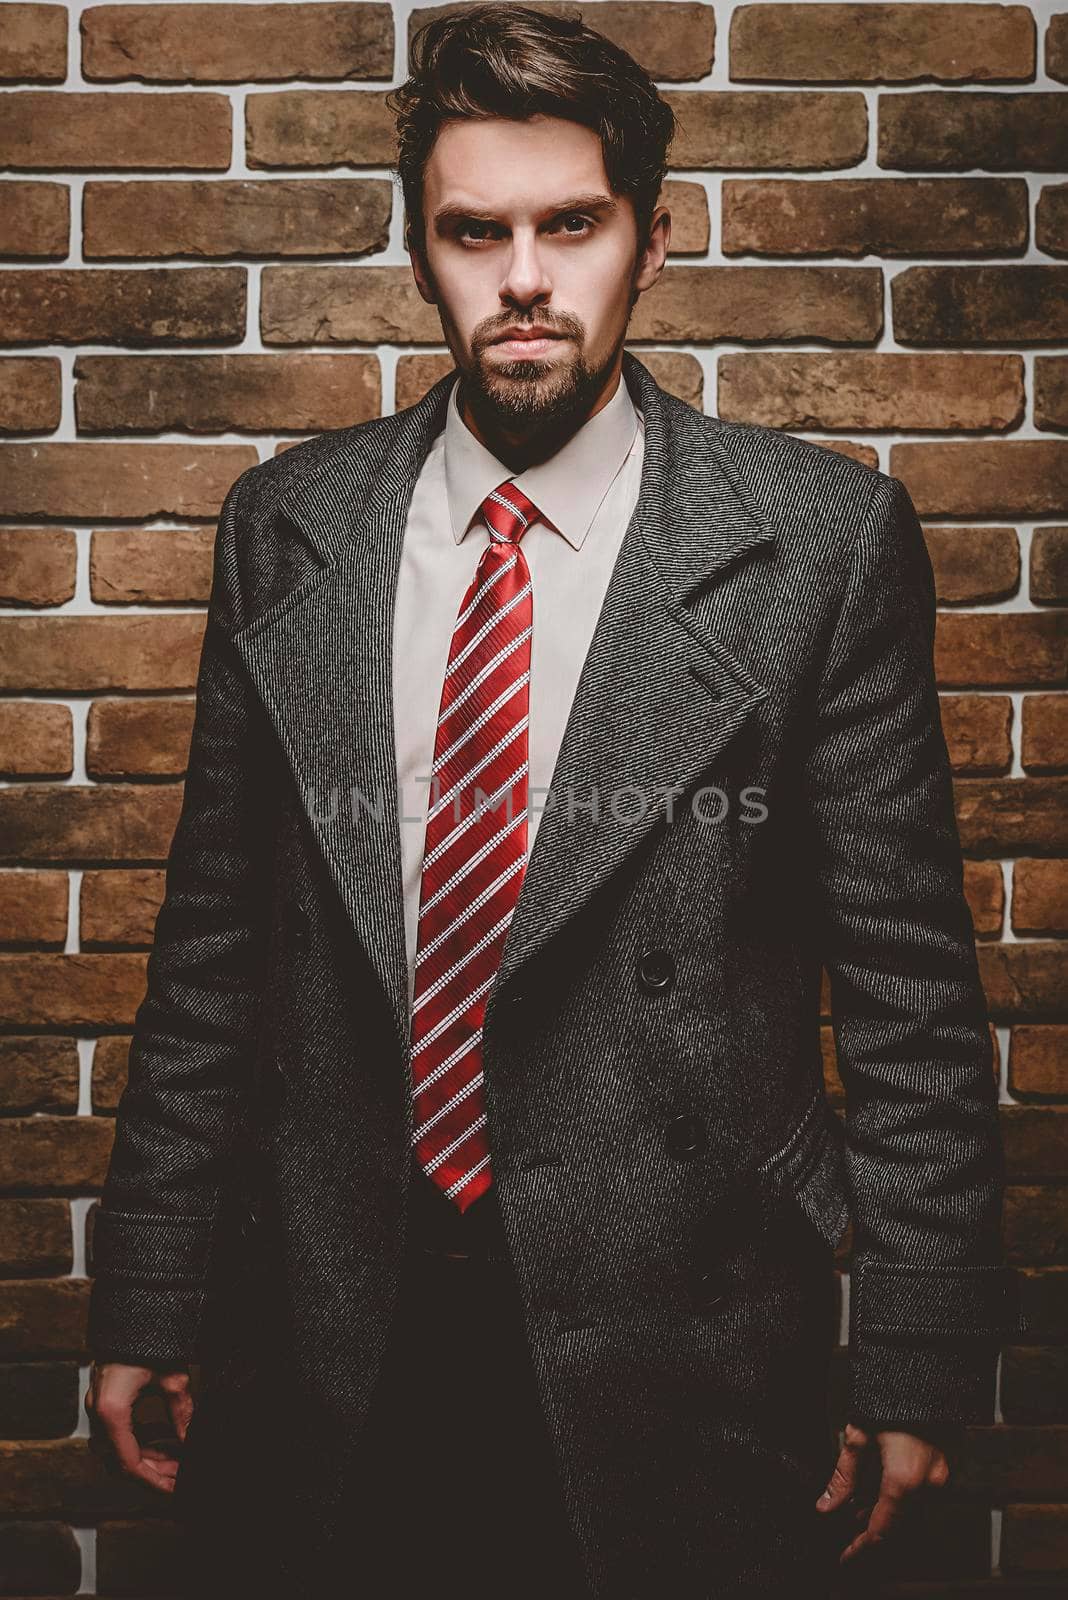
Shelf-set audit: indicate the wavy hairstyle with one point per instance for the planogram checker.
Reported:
(511, 61)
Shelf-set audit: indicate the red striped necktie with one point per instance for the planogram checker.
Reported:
(475, 852)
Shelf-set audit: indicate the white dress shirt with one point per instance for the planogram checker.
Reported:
(587, 493)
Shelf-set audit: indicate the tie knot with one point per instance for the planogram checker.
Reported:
(508, 512)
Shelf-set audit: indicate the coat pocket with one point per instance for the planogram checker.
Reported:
(811, 1169)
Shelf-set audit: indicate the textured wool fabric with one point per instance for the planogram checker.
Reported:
(753, 781)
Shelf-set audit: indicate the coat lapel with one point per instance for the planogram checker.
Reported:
(657, 698)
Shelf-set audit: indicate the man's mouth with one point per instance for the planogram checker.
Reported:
(528, 344)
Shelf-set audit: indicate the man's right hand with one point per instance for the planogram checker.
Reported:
(109, 1402)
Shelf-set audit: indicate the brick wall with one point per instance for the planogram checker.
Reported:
(203, 262)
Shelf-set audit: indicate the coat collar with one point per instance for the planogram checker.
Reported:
(657, 698)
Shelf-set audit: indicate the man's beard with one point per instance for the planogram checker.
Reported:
(540, 402)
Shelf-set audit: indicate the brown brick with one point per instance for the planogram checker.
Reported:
(974, 565)
(1051, 219)
(111, 1061)
(29, 394)
(316, 128)
(164, 566)
(87, 823)
(874, 216)
(674, 43)
(996, 815)
(35, 1238)
(37, 1557)
(865, 453)
(1045, 732)
(324, 305)
(38, 566)
(843, 304)
(1051, 392)
(967, 130)
(38, 1073)
(984, 889)
(46, 1155)
(1024, 980)
(62, 1477)
(83, 653)
(34, 218)
(881, 43)
(1038, 1060)
(1034, 1538)
(671, 42)
(135, 738)
(237, 217)
(41, 1317)
(36, 739)
(33, 909)
(66, 130)
(738, 128)
(119, 480)
(138, 1557)
(1049, 565)
(236, 43)
(1044, 1296)
(978, 730)
(33, 48)
(38, 1400)
(1057, 47)
(858, 390)
(1036, 1143)
(1007, 1463)
(980, 305)
(1006, 648)
(1034, 1384)
(109, 305)
(691, 227)
(996, 478)
(1036, 1226)
(70, 991)
(226, 393)
(1040, 896)
(120, 908)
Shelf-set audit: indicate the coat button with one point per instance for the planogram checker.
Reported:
(685, 1136)
(300, 925)
(708, 1288)
(656, 970)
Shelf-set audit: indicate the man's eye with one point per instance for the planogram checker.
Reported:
(477, 230)
(576, 217)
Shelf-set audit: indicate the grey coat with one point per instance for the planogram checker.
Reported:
(753, 782)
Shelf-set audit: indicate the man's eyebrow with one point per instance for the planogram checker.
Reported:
(456, 212)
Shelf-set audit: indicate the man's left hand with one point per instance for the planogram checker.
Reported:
(909, 1464)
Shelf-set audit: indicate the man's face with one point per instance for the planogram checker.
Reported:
(523, 233)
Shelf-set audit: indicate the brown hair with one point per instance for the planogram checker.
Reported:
(512, 61)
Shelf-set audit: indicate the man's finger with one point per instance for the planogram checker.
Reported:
(893, 1497)
(843, 1479)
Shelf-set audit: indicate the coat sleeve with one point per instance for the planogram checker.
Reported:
(930, 1295)
(194, 1029)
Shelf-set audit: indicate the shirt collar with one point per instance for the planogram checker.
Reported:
(567, 489)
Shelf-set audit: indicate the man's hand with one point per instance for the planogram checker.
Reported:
(109, 1402)
(909, 1464)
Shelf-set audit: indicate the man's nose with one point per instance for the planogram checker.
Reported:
(525, 277)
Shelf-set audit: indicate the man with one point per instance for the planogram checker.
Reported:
(550, 737)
